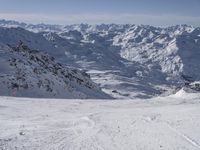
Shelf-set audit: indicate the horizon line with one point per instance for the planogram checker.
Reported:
(95, 19)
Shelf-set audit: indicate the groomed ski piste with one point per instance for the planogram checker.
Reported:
(169, 123)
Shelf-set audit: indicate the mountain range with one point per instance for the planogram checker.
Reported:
(125, 61)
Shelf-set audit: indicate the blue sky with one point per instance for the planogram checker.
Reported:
(153, 12)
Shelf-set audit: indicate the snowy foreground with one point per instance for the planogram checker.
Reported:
(160, 123)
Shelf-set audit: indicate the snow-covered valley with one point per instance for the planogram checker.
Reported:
(99, 74)
(126, 61)
(160, 123)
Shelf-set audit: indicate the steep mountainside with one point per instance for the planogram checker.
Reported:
(125, 60)
(30, 73)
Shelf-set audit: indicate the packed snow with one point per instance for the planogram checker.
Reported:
(160, 123)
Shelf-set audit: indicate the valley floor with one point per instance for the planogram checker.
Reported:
(161, 123)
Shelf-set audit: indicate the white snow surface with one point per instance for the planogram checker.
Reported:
(160, 123)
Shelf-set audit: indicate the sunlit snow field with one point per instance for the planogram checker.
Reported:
(168, 123)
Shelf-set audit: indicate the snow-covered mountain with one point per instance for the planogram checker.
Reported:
(125, 60)
(30, 73)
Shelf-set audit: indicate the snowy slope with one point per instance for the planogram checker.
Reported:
(167, 47)
(160, 123)
(30, 73)
(127, 61)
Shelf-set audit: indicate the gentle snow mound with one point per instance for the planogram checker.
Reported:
(180, 93)
(183, 93)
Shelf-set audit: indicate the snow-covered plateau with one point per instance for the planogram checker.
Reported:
(162, 123)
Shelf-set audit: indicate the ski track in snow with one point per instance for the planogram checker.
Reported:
(185, 137)
(160, 123)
